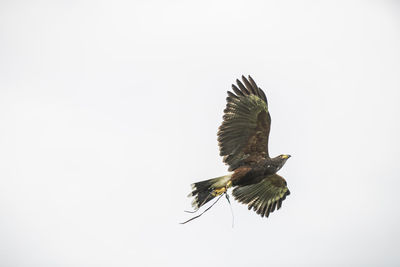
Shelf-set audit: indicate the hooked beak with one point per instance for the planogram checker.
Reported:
(286, 156)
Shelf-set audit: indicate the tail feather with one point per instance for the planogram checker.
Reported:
(205, 191)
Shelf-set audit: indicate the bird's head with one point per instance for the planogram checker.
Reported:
(281, 159)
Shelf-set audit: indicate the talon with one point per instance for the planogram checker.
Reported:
(221, 190)
(218, 191)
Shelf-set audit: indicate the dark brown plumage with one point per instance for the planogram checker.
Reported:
(243, 141)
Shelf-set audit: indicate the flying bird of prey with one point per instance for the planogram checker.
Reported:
(243, 142)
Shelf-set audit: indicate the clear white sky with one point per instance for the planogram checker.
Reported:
(109, 111)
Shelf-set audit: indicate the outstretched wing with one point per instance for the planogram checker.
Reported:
(264, 196)
(243, 135)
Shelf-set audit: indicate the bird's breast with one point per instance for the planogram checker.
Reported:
(269, 168)
(247, 175)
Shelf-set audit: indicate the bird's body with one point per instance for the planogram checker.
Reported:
(243, 141)
(253, 174)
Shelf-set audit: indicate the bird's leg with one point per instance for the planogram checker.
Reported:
(221, 190)
(218, 191)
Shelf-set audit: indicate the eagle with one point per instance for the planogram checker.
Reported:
(243, 142)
